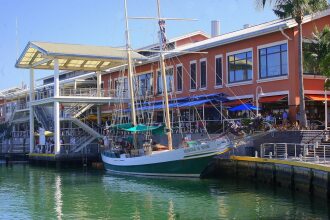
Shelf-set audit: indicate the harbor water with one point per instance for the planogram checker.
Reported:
(29, 192)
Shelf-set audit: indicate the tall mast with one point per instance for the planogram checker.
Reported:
(130, 73)
(162, 41)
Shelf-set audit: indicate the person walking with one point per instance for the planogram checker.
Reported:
(285, 118)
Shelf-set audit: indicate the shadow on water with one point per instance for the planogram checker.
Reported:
(48, 193)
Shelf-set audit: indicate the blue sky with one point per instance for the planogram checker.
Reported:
(101, 22)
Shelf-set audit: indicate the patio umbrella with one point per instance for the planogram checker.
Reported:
(243, 107)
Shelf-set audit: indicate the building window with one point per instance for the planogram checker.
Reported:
(193, 76)
(312, 55)
(169, 81)
(218, 71)
(273, 61)
(143, 86)
(240, 67)
(179, 80)
(203, 74)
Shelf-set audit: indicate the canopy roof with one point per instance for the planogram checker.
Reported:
(243, 107)
(41, 55)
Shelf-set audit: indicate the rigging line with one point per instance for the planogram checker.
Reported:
(231, 90)
(212, 68)
(185, 70)
(175, 97)
(203, 122)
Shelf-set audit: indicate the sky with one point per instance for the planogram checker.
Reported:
(101, 22)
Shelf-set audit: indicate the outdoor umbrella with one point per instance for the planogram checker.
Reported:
(243, 107)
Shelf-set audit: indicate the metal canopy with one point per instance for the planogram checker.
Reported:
(40, 55)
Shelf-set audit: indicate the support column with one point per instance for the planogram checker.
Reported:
(57, 143)
(31, 110)
(98, 89)
(75, 85)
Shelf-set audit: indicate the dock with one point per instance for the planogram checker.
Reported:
(301, 167)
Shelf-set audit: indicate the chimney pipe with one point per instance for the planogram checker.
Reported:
(215, 28)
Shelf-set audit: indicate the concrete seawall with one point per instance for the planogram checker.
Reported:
(295, 175)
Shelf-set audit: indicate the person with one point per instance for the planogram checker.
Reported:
(285, 117)
(106, 142)
(62, 110)
(269, 117)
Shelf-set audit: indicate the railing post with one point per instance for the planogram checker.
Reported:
(324, 154)
(286, 151)
(261, 150)
(295, 151)
(270, 155)
(275, 148)
(314, 146)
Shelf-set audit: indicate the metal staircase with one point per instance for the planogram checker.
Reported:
(81, 140)
(44, 118)
(76, 110)
(85, 138)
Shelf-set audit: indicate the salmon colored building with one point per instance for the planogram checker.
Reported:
(255, 64)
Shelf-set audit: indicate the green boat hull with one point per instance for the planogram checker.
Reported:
(187, 167)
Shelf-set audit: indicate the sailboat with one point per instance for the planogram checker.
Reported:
(187, 161)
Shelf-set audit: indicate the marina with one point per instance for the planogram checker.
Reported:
(229, 125)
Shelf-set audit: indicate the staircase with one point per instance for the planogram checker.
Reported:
(76, 110)
(85, 138)
(313, 136)
(44, 118)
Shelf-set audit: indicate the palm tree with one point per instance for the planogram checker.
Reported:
(297, 9)
(316, 52)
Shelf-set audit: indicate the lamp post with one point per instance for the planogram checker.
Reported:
(325, 105)
(258, 90)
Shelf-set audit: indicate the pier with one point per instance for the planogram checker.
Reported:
(300, 167)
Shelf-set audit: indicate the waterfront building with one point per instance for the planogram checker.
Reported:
(257, 64)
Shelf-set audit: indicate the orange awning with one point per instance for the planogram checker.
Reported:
(270, 99)
(320, 98)
(237, 102)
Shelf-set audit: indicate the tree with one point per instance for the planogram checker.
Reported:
(297, 9)
(316, 52)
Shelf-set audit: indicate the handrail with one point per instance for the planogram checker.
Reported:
(316, 136)
(314, 153)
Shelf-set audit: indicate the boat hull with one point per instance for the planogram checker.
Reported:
(184, 162)
(186, 167)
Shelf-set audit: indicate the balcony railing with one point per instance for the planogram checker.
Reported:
(90, 92)
(80, 92)
(22, 105)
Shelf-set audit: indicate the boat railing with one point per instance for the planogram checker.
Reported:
(317, 153)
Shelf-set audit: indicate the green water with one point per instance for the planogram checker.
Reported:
(28, 192)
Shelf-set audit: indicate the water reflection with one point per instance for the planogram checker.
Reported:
(43, 193)
(171, 213)
(58, 197)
